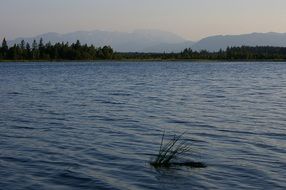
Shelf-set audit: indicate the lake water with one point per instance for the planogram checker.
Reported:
(97, 125)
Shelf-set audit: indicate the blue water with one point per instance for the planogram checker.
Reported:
(97, 125)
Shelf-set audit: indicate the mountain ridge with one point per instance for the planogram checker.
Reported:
(217, 42)
(157, 41)
(136, 41)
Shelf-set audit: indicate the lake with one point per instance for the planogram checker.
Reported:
(98, 125)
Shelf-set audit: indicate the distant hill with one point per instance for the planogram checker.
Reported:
(137, 41)
(215, 43)
(157, 41)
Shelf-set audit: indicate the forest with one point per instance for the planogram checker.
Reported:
(49, 52)
(40, 51)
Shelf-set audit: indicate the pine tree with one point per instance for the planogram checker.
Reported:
(41, 48)
(35, 52)
(28, 51)
(22, 45)
(4, 49)
(4, 45)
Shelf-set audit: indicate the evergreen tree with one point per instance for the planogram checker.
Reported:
(4, 45)
(77, 44)
(22, 45)
(4, 49)
(41, 48)
(77, 51)
(28, 51)
(35, 52)
(34, 45)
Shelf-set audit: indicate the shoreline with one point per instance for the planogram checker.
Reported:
(149, 60)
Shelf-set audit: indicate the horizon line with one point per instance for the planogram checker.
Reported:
(133, 31)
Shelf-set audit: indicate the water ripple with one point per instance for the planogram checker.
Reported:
(97, 125)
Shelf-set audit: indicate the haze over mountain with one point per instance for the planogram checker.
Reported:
(159, 41)
(215, 43)
(136, 41)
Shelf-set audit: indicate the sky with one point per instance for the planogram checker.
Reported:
(192, 19)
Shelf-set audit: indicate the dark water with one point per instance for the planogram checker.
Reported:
(97, 125)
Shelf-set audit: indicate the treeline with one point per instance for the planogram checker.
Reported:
(231, 53)
(59, 51)
(77, 51)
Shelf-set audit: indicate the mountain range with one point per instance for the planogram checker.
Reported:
(215, 43)
(159, 41)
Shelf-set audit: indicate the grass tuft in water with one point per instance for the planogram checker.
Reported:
(171, 151)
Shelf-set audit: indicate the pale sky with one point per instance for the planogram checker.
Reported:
(192, 19)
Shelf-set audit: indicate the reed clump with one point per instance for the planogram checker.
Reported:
(171, 151)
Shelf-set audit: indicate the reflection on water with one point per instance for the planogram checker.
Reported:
(97, 125)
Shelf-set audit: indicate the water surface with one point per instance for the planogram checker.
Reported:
(97, 125)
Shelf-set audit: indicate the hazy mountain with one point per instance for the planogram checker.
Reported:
(159, 41)
(137, 41)
(215, 43)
